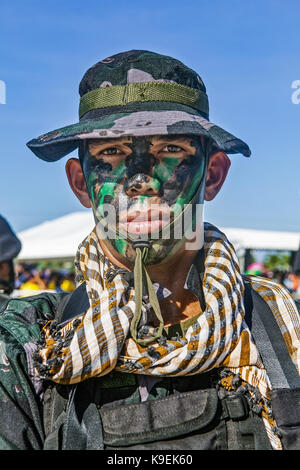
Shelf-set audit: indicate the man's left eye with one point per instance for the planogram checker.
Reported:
(111, 151)
(172, 149)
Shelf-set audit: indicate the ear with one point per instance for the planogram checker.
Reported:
(217, 170)
(77, 181)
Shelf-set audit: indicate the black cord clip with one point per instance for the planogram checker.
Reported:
(141, 244)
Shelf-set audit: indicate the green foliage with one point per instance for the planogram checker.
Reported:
(278, 261)
(55, 265)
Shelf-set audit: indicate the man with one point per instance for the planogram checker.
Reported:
(10, 247)
(163, 345)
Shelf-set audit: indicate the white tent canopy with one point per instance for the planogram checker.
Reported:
(55, 239)
(59, 238)
(263, 239)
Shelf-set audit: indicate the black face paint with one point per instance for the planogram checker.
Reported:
(140, 161)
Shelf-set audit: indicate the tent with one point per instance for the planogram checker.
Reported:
(264, 239)
(58, 239)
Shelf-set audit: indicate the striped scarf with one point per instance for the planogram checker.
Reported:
(98, 341)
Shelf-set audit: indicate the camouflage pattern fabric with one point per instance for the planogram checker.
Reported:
(148, 111)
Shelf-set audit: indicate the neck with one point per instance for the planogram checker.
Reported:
(171, 274)
(162, 273)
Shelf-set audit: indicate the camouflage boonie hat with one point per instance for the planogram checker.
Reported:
(138, 93)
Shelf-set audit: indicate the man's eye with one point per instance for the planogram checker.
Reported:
(111, 151)
(172, 149)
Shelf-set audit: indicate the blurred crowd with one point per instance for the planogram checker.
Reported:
(30, 278)
(21, 279)
(291, 281)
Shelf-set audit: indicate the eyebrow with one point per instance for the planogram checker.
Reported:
(112, 140)
(94, 145)
(173, 137)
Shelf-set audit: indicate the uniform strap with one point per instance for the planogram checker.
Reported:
(73, 305)
(268, 338)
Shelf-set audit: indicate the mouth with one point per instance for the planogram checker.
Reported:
(145, 221)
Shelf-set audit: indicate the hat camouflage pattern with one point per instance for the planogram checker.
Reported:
(138, 93)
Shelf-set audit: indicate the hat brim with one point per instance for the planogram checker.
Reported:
(60, 142)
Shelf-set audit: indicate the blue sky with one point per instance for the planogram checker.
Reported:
(247, 53)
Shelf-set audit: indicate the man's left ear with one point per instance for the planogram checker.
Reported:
(217, 170)
(77, 181)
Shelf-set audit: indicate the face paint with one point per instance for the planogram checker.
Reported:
(146, 182)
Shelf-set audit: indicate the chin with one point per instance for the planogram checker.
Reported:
(159, 252)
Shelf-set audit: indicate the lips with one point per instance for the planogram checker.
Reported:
(144, 221)
(143, 227)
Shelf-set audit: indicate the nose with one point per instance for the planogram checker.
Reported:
(142, 185)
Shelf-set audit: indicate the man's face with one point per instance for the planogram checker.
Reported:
(146, 180)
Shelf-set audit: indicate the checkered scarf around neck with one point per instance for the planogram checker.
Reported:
(99, 340)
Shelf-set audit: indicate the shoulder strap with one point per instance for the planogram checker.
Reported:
(74, 305)
(268, 338)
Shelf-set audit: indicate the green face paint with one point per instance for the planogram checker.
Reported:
(147, 182)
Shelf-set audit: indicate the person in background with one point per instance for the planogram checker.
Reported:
(61, 281)
(296, 269)
(10, 246)
(68, 282)
(32, 280)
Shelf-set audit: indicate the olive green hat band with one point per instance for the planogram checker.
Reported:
(120, 95)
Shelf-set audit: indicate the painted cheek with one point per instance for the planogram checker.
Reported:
(165, 169)
(195, 176)
(108, 184)
(91, 183)
(119, 171)
(105, 191)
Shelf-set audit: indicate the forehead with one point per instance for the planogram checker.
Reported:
(153, 139)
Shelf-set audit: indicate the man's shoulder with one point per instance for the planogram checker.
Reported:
(266, 284)
(275, 295)
(22, 318)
